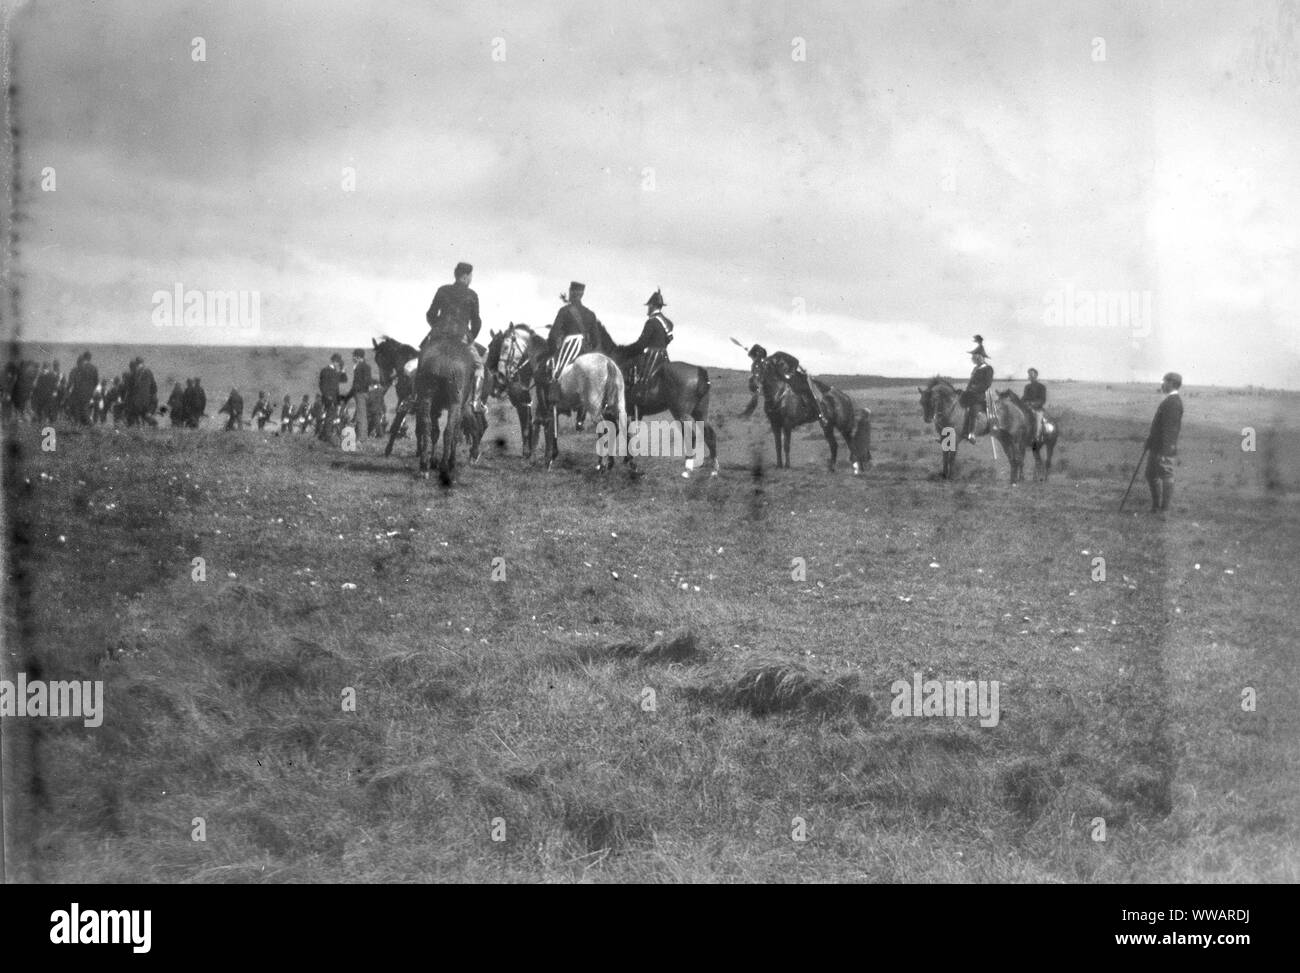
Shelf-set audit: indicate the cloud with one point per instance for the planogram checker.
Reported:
(944, 165)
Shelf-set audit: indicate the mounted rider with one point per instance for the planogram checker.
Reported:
(454, 314)
(975, 395)
(573, 333)
(1034, 398)
(788, 367)
(651, 349)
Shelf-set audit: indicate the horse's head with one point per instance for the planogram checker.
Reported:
(391, 355)
(927, 403)
(933, 398)
(493, 358)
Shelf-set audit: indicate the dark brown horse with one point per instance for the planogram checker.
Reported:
(680, 389)
(1015, 430)
(940, 405)
(444, 382)
(1043, 448)
(511, 363)
(395, 362)
(786, 409)
(1009, 423)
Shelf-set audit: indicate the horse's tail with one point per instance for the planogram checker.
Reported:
(703, 386)
(614, 386)
(860, 440)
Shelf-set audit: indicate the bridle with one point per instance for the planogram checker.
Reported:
(513, 355)
(929, 404)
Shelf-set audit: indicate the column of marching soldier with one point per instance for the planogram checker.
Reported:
(44, 392)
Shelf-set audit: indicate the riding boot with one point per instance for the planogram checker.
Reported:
(1155, 495)
(1166, 493)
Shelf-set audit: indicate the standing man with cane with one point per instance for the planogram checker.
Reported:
(1162, 446)
(1162, 443)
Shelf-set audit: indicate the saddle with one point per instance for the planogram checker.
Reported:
(646, 371)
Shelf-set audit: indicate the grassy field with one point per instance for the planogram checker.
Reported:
(648, 693)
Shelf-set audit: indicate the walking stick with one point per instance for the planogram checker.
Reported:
(1134, 478)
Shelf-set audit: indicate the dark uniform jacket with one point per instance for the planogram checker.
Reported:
(331, 379)
(1035, 395)
(656, 335)
(360, 378)
(191, 408)
(785, 363)
(454, 313)
(1165, 427)
(574, 319)
(981, 380)
(143, 392)
(234, 405)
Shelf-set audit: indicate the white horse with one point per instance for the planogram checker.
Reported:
(591, 382)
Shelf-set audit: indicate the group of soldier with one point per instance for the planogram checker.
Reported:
(361, 406)
(44, 393)
(454, 314)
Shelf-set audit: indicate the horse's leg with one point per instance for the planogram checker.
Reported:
(711, 444)
(828, 430)
(422, 447)
(786, 433)
(521, 414)
(776, 436)
(550, 425)
(452, 440)
(448, 434)
(474, 430)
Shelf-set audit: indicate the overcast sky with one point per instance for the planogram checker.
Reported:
(927, 171)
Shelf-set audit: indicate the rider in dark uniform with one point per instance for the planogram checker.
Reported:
(454, 314)
(1034, 398)
(788, 368)
(975, 396)
(651, 348)
(573, 333)
(330, 385)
